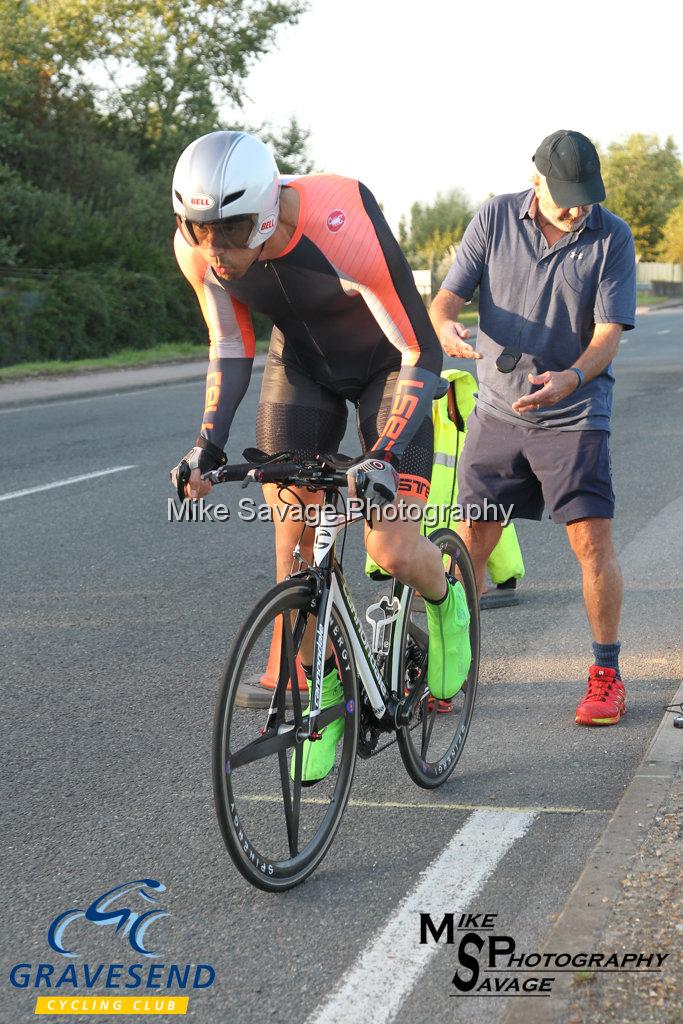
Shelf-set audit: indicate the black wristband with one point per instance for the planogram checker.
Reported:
(212, 456)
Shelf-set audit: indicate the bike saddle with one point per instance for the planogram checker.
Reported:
(259, 458)
(441, 388)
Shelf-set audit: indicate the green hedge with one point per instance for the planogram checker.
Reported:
(79, 314)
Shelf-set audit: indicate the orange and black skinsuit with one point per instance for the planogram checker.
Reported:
(349, 324)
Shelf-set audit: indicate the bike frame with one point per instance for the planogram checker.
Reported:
(379, 686)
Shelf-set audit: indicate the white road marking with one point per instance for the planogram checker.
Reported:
(266, 798)
(623, 341)
(63, 483)
(372, 994)
(666, 331)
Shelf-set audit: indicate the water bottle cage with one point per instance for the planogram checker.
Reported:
(379, 625)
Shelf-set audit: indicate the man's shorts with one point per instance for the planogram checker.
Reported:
(299, 414)
(568, 471)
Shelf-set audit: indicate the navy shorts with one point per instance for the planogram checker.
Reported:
(568, 471)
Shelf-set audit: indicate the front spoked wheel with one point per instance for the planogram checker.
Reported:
(432, 742)
(276, 829)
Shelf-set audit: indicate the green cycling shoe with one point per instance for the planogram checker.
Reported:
(450, 653)
(318, 755)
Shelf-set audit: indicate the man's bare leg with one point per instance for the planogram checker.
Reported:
(603, 587)
(480, 539)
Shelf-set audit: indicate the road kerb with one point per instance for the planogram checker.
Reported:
(583, 921)
(92, 384)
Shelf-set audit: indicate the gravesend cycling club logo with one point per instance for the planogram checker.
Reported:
(128, 922)
(336, 220)
(126, 913)
(491, 964)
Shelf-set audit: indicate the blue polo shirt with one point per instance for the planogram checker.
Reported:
(544, 300)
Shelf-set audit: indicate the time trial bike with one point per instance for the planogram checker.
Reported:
(277, 828)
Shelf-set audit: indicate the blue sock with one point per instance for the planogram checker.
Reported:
(607, 655)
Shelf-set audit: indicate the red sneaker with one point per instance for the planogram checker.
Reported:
(605, 700)
(443, 707)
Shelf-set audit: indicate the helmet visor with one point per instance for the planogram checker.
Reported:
(230, 233)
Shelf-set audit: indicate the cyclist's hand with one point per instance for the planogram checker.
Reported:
(374, 479)
(453, 337)
(198, 460)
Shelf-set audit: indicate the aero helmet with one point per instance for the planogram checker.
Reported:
(224, 175)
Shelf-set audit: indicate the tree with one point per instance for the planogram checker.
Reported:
(644, 182)
(85, 168)
(435, 228)
(167, 65)
(289, 145)
(671, 250)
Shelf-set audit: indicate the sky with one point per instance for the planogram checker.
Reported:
(419, 97)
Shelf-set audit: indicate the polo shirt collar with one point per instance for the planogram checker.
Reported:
(527, 199)
(594, 217)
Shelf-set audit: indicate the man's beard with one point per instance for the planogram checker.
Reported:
(565, 223)
(571, 223)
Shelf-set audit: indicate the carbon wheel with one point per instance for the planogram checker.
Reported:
(432, 742)
(277, 830)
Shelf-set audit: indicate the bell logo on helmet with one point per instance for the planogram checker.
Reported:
(336, 220)
(268, 224)
(201, 202)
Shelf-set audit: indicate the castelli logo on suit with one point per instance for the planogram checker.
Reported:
(336, 220)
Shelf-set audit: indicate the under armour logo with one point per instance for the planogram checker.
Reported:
(575, 255)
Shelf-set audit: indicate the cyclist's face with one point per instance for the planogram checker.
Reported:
(223, 245)
(228, 264)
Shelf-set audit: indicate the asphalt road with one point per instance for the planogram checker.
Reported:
(115, 627)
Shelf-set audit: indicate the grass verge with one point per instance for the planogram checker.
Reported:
(169, 353)
(182, 351)
(648, 299)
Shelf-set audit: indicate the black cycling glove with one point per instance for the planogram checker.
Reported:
(205, 456)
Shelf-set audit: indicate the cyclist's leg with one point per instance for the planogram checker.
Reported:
(398, 546)
(396, 543)
(299, 415)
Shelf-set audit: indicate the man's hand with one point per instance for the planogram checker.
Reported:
(374, 479)
(556, 386)
(453, 337)
(200, 460)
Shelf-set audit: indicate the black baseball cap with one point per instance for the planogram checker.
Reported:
(571, 165)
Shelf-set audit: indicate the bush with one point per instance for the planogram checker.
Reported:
(81, 314)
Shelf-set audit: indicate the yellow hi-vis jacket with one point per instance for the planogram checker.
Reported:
(450, 415)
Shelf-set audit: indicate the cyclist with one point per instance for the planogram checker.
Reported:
(315, 254)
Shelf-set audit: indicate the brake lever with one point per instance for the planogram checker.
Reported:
(182, 478)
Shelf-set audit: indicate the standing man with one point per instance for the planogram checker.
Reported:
(556, 278)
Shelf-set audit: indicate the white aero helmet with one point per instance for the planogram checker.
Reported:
(227, 177)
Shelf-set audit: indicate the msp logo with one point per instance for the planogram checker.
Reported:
(101, 911)
(87, 987)
(336, 220)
